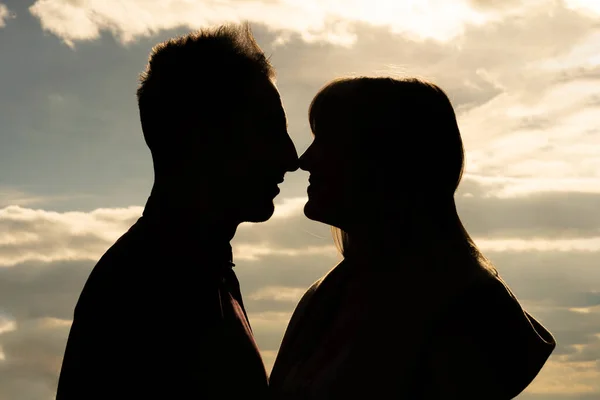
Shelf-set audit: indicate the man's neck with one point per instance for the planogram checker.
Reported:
(187, 213)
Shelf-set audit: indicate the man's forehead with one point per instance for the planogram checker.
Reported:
(267, 90)
(266, 97)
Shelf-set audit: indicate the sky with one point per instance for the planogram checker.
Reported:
(524, 78)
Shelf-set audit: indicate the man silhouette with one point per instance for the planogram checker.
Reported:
(161, 315)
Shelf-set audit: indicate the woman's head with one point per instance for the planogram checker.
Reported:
(385, 150)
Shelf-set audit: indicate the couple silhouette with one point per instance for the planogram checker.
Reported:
(413, 310)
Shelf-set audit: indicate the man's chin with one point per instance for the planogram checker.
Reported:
(260, 214)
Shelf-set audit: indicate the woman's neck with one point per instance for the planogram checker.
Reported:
(421, 235)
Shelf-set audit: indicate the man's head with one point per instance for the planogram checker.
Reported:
(214, 122)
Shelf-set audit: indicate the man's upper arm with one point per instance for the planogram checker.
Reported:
(99, 359)
(128, 349)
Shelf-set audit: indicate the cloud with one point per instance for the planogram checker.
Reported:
(565, 245)
(523, 186)
(47, 236)
(40, 235)
(37, 290)
(560, 127)
(6, 324)
(10, 196)
(286, 294)
(5, 14)
(526, 96)
(525, 90)
(522, 121)
(543, 125)
(584, 5)
(562, 290)
(33, 358)
(267, 327)
(544, 221)
(38, 295)
(565, 381)
(561, 215)
(313, 20)
(494, 4)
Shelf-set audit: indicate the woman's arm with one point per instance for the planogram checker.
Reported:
(487, 347)
(297, 315)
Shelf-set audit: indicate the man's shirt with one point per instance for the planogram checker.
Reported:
(161, 317)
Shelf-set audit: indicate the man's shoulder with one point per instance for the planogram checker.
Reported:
(114, 270)
(129, 247)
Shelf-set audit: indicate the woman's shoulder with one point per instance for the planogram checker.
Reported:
(310, 292)
(490, 307)
(303, 303)
(485, 336)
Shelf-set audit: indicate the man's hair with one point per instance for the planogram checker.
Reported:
(202, 75)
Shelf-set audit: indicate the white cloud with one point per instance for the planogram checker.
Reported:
(46, 236)
(28, 234)
(513, 223)
(553, 136)
(322, 20)
(269, 320)
(581, 56)
(566, 245)
(258, 250)
(285, 294)
(525, 90)
(511, 187)
(584, 5)
(289, 207)
(4, 14)
(6, 325)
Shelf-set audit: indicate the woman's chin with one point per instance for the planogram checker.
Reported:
(319, 212)
(311, 210)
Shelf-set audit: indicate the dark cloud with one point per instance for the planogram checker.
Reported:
(578, 73)
(568, 279)
(35, 290)
(33, 357)
(539, 214)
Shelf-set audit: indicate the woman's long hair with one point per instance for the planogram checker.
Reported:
(408, 128)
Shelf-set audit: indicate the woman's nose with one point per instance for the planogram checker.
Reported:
(303, 162)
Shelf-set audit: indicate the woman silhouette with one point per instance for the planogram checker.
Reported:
(414, 310)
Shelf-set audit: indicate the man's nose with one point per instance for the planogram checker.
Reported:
(290, 155)
(293, 165)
